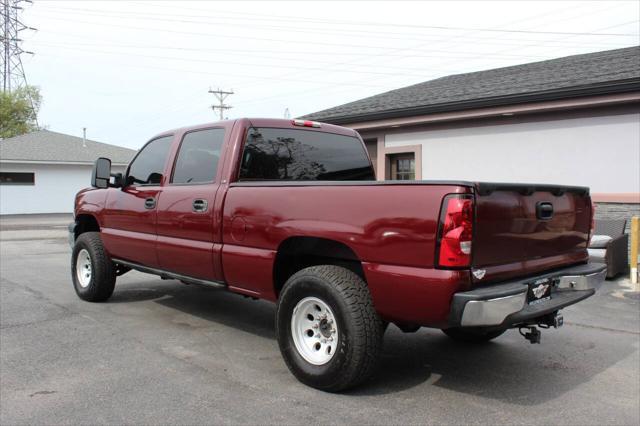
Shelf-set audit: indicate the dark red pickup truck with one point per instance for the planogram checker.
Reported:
(290, 211)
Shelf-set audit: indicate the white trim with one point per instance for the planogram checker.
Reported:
(73, 163)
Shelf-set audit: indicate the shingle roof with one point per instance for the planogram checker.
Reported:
(611, 71)
(52, 147)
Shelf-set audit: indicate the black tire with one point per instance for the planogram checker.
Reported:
(473, 335)
(103, 273)
(360, 330)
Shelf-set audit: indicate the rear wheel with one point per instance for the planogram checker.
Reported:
(473, 335)
(92, 272)
(328, 331)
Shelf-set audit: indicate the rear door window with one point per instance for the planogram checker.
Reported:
(292, 155)
(198, 157)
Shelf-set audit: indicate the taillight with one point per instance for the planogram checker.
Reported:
(455, 231)
(593, 221)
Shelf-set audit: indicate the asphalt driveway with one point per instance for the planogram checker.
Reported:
(163, 352)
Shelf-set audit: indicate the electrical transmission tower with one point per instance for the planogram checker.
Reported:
(221, 95)
(13, 76)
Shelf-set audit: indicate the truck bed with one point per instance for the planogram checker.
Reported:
(392, 228)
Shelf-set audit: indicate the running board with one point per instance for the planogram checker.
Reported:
(170, 275)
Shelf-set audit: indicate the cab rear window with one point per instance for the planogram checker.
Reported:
(293, 155)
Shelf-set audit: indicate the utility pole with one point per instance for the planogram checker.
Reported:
(221, 95)
(13, 75)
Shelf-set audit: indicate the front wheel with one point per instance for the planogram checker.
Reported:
(473, 335)
(327, 328)
(92, 271)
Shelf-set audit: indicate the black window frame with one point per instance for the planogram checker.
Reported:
(31, 183)
(126, 179)
(394, 162)
(220, 160)
(245, 138)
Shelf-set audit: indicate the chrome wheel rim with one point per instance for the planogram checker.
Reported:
(83, 268)
(314, 330)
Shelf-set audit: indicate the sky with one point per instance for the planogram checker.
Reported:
(127, 70)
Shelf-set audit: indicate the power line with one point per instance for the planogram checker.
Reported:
(382, 55)
(221, 95)
(333, 53)
(226, 35)
(437, 53)
(390, 50)
(325, 31)
(450, 39)
(262, 64)
(253, 77)
(542, 43)
(333, 69)
(334, 22)
(378, 34)
(478, 56)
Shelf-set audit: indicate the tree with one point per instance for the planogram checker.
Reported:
(19, 111)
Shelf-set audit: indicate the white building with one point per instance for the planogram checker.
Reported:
(41, 172)
(571, 121)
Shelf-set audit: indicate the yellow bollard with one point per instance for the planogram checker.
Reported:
(635, 243)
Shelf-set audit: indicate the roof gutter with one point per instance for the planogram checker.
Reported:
(622, 86)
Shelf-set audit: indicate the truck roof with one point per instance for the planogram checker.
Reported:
(263, 122)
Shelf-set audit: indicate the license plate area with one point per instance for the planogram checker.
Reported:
(539, 291)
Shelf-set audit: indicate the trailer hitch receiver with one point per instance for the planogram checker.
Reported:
(533, 335)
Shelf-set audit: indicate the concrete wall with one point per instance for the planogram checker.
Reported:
(601, 152)
(54, 190)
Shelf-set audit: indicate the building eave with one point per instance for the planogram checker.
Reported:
(574, 92)
(497, 111)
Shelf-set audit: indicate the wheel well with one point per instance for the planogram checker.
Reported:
(86, 223)
(297, 253)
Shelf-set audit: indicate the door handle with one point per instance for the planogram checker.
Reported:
(544, 211)
(150, 203)
(200, 205)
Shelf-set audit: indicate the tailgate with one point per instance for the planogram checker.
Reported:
(522, 229)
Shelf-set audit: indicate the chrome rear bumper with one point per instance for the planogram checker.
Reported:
(506, 303)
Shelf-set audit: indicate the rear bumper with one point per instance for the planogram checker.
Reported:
(505, 304)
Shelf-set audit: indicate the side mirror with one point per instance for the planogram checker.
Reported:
(101, 173)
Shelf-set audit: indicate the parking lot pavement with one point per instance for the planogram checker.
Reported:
(34, 226)
(163, 352)
(35, 221)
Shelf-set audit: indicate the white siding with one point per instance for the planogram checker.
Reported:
(54, 190)
(600, 152)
